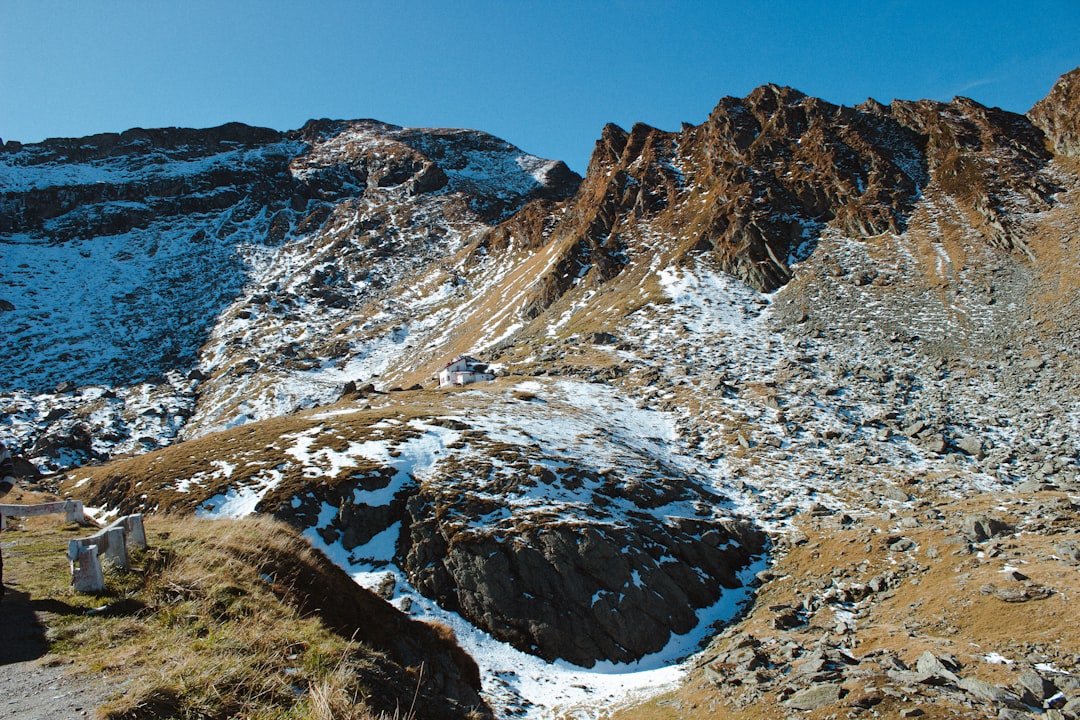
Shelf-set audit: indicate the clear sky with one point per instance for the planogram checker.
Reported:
(543, 74)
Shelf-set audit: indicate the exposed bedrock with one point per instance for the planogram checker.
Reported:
(573, 589)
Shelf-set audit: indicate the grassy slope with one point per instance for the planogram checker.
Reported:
(235, 619)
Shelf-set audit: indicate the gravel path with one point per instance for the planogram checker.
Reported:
(33, 686)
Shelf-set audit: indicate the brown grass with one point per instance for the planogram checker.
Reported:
(942, 608)
(229, 619)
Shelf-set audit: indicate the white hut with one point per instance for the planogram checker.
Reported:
(463, 370)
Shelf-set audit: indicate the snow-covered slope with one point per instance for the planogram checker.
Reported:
(131, 261)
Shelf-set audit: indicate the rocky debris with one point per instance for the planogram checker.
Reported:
(839, 635)
(826, 674)
(62, 443)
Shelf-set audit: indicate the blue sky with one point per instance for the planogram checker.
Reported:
(544, 75)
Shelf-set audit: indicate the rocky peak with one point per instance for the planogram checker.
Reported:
(756, 184)
(987, 160)
(362, 156)
(752, 187)
(1058, 114)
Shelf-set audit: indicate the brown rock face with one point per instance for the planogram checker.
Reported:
(1058, 114)
(987, 160)
(757, 183)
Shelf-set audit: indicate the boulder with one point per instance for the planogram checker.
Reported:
(814, 697)
(865, 699)
(891, 492)
(25, 469)
(980, 528)
(787, 618)
(1069, 551)
(1071, 709)
(1017, 593)
(992, 693)
(934, 442)
(1039, 687)
(934, 670)
(901, 545)
(970, 445)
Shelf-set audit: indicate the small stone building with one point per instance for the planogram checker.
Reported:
(463, 370)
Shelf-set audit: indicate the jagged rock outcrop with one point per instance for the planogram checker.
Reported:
(1058, 114)
(578, 591)
(756, 184)
(611, 584)
(987, 160)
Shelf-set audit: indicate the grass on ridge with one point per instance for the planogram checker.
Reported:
(209, 623)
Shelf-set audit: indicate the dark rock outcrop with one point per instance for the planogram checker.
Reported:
(75, 440)
(601, 586)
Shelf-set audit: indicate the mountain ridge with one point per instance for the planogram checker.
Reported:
(792, 308)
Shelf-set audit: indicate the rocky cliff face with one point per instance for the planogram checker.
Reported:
(614, 586)
(757, 183)
(1056, 115)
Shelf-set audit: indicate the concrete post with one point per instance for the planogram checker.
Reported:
(86, 575)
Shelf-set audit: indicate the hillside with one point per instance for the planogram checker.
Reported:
(215, 620)
(793, 325)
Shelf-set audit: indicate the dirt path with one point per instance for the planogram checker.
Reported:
(33, 684)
